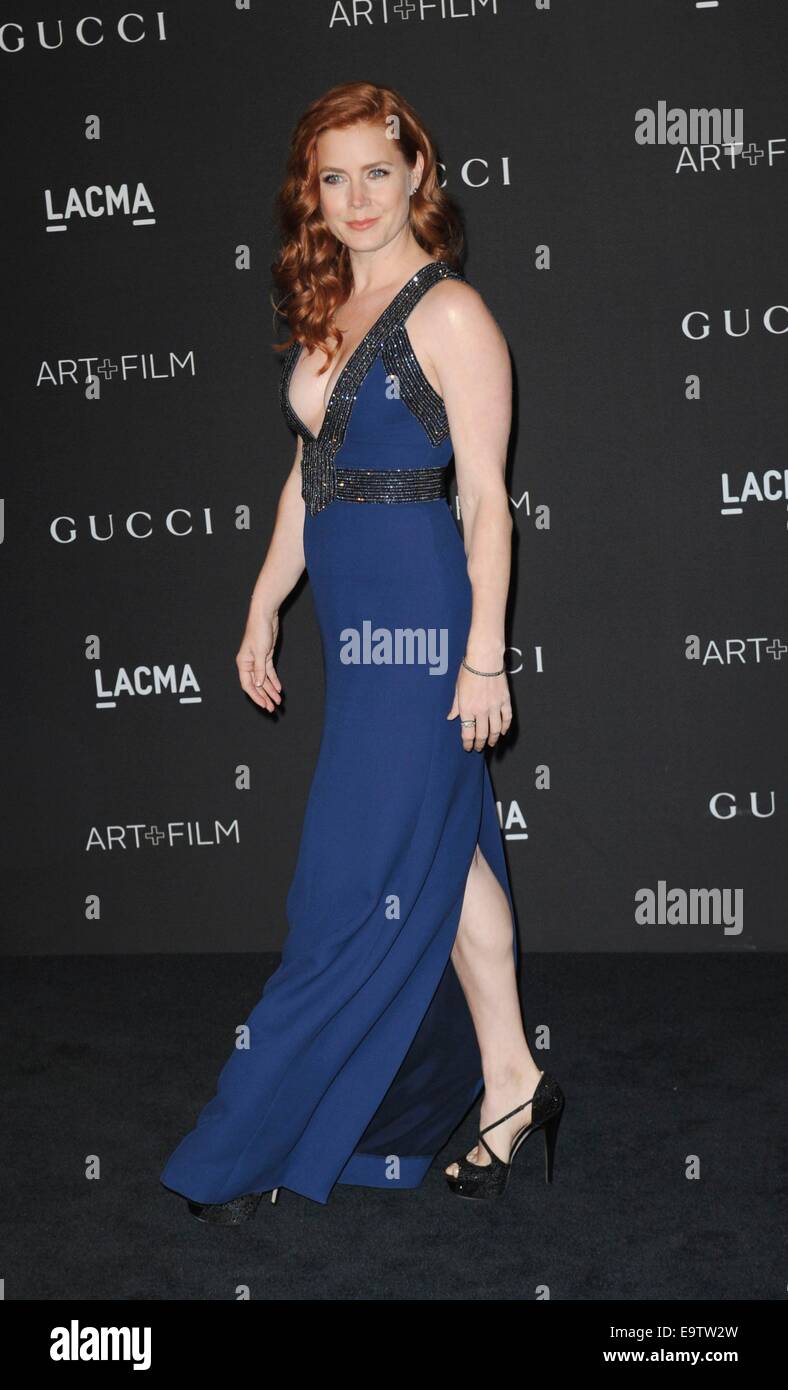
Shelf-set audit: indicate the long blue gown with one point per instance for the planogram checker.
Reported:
(362, 1057)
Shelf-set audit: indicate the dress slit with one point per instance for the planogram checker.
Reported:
(442, 1063)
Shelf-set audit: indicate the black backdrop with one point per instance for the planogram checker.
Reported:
(134, 826)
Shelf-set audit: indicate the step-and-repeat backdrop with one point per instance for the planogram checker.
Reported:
(621, 168)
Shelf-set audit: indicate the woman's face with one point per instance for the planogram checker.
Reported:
(364, 185)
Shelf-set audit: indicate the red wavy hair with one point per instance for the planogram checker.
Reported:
(312, 270)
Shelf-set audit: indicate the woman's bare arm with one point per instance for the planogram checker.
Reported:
(468, 355)
(281, 570)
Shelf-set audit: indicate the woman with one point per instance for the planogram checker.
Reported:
(396, 1000)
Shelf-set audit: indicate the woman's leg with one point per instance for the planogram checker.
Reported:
(484, 961)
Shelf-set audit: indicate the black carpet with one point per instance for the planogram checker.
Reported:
(661, 1057)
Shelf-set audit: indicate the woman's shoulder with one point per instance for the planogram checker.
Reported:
(453, 304)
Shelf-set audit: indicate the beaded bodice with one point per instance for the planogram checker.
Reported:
(384, 389)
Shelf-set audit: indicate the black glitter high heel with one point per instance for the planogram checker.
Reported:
(231, 1213)
(490, 1180)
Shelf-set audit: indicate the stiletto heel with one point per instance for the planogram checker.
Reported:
(550, 1130)
(476, 1181)
(231, 1213)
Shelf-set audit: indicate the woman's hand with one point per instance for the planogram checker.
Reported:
(485, 698)
(255, 662)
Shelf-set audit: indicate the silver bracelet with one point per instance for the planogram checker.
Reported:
(482, 673)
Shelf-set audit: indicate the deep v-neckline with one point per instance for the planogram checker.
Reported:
(351, 359)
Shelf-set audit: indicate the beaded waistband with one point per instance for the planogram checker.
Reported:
(391, 484)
